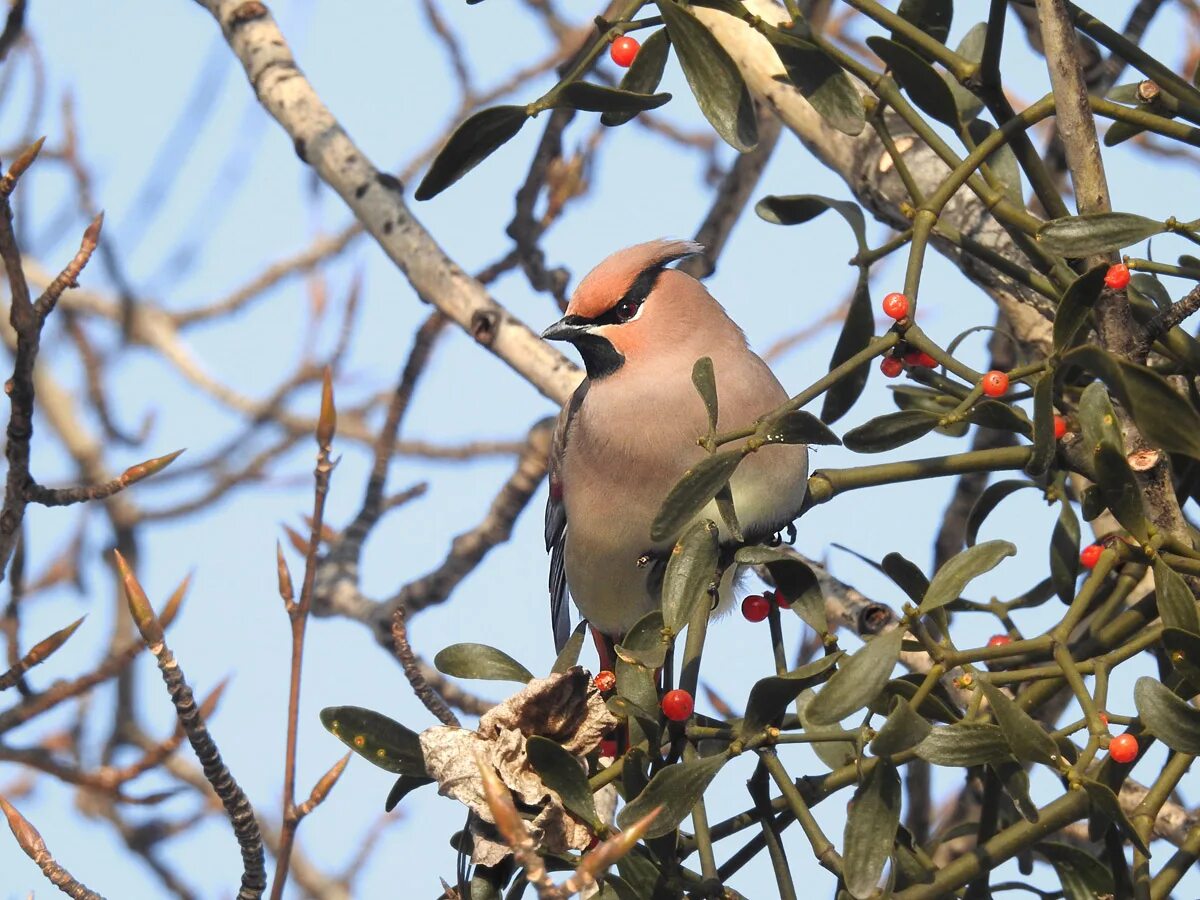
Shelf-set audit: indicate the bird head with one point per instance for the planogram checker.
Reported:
(631, 304)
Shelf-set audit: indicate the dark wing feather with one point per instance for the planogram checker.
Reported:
(556, 523)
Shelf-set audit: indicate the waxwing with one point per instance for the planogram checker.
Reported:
(630, 431)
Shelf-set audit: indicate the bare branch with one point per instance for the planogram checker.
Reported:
(377, 201)
(35, 848)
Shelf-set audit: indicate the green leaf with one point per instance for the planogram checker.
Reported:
(644, 75)
(964, 744)
(1015, 779)
(1064, 553)
(1183, 649)
(693, 492)
(800, 427)
(1121, 492)
(1002, 161)
(404, 786)
(690, 572)
(1091, 504)
(705, 380)
(923, 85)
(969, 48)
(642, 872)
(1091, 233)
(486, 883)
(472, 142)
(1173, 721)
(909, 396)
(856, 334)
(588, 97)
(1080, 874)
(713, 77)
(1026, 738)
(562, 773)
(819, 79)
(906, 574)
(937, 704)
(568, 657)
(770, 696)
(1124, 93)
(956, 572)
(988, 501)
(1045, 445)
(676, 789)
(1151, 288)
(480, 661)
(871, 823)
(795, 209)
(1165, 418)
(1120, 132)
(381, 741)
(793, 579)
(724, 501)
(1097, 419)
(1176, 602)
(1105, 802)
(834, 753)
(1001, 416)
(645, 645)
(617, 888)
(887, 432)
(904, 729)
(858, 680)
(1076, 305)
(932, 16)
(636, 682)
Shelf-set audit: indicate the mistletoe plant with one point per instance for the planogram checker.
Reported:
(1100, 414)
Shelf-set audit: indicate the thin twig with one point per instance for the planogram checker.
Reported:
(35, 848)
(408, 660)
(298, 615)
(233, 798)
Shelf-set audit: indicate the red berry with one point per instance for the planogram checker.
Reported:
(1117, 276)
(890, 366)
(918, 359)
(784, 602)
(677, 705)
(608, 747)
(605, 681)
(1060, 427)
(624, 50)
(999, 640)
(1123, 748)
(995, 383)
(895, 306)
(756, 607)
(1090, 556)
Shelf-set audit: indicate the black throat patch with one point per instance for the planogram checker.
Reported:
(600, 357)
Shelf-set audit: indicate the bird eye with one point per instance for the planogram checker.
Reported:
(627, 309)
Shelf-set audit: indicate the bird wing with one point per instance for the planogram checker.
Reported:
(556, 522)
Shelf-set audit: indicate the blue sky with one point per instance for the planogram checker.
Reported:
(239, 198)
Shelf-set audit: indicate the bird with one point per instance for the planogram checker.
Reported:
(631, 430)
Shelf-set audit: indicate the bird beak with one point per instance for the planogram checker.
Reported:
(567, 328)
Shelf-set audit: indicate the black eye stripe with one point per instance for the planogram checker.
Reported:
(635, 296)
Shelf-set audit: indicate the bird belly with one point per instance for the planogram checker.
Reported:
(608, 535)
(607, 585)
(768, 489)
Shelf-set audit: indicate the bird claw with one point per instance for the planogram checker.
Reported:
(778, 537)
